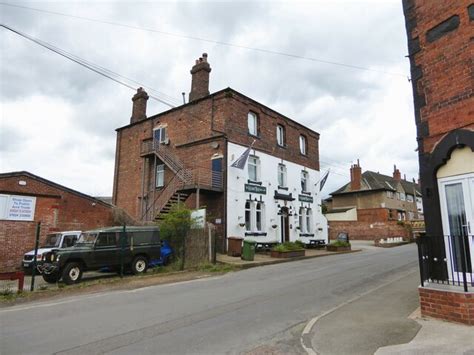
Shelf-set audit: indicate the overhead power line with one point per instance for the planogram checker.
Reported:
(93, 67)
(222, 43)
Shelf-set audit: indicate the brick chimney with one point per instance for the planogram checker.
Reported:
(396, 174)
(200, 78)
(139, 105)
(356, 176)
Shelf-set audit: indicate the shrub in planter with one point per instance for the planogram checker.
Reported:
(288, 250)
(338, 245)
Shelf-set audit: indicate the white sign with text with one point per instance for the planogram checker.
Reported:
(17, 208)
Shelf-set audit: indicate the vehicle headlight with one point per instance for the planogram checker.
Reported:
(57, 257)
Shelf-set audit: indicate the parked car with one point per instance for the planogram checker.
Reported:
(106, 247)
(53, 241)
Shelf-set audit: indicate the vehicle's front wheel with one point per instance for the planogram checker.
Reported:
(139, 265)
(72, 273)
(51, 278)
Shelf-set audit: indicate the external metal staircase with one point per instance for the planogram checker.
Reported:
(179, 188)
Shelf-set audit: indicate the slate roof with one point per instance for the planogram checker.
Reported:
(372, 181)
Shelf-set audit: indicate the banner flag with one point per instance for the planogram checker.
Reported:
(323, 181)
(240, 162)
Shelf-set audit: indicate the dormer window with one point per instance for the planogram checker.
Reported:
(252, 122)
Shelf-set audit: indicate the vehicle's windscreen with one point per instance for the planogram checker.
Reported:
(52, 240)
(87, 238)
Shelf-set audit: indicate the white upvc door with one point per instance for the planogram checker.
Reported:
(457, 213)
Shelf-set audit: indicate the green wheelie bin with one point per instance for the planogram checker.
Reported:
(248, 251)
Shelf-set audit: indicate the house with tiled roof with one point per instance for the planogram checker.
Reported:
(374, 200)
(390, 197)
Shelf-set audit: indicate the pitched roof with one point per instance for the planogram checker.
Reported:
(372, 181)
(52, 184)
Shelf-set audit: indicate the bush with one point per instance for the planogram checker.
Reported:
(340, 243)
(289, 246)
(175, 227)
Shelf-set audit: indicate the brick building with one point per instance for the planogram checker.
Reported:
(26, 199)
(186, 153)
(441, 52)
(371, 204)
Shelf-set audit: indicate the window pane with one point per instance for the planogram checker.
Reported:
(247, 217)
(303, 145)
(281, 175)
(280, 135)
(301, 220)
(304, 180)
(160, 175)
(308, 220)
(259, 216)
(253, 168)
(252, 123)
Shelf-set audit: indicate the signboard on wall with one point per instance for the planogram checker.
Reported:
(256, 189)
(305, 198)
(17, 208)
(198, 218)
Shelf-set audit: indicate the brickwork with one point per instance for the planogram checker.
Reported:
(197, 132)
(443, 68)
(57, 208)
(372, 215)
(451, 306)
(368, 231)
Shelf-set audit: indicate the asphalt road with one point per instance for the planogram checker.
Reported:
(234, 313)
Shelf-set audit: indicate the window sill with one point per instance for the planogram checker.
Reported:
(306, 235)
(304, 155)
(253, 135)
(284, 146)
(282, 188)
(306, 193)
(251, 182)
(255, 234)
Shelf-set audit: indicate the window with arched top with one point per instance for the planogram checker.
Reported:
(252, 123)
(280, 132)
(303, 145)
(248, 217)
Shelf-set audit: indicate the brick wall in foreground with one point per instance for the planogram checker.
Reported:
(451, 306)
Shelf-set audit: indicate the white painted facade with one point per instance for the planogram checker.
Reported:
(273, 207)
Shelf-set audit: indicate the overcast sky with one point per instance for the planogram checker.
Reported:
(58, 119)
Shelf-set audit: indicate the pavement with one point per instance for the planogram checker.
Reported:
(387, 321)
(261, 259)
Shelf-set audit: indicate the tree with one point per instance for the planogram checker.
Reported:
(174, 228)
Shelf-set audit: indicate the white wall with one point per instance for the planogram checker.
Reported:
(349, 215)
(237, 197)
